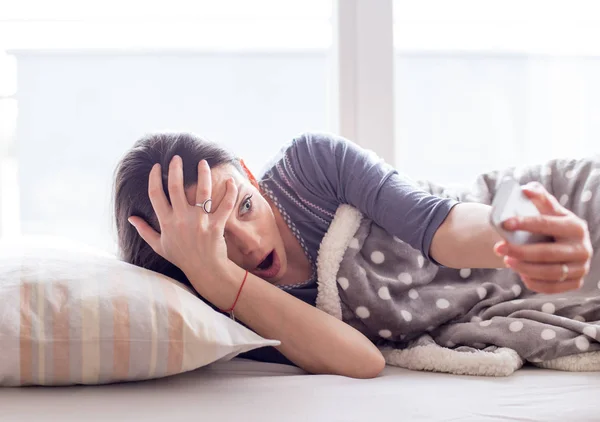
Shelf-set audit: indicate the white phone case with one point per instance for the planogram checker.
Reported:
(510, 201)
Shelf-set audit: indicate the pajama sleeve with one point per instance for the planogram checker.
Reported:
(338, 171)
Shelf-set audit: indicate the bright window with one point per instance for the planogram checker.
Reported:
(92, 78)
(485, 84)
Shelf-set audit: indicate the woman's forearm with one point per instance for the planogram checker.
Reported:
(466, 238)
(312, 339)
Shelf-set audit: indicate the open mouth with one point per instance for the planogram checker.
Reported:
(269, 267)
(267, 262)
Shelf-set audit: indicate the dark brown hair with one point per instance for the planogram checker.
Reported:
(130, 190)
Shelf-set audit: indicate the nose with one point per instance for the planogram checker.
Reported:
(246, 238)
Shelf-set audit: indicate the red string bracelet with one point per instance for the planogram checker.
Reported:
(230, 311)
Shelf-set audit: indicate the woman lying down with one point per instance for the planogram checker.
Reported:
(250, 247)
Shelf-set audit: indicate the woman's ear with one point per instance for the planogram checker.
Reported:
(249, 174)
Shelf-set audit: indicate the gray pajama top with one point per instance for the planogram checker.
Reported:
(315, 173)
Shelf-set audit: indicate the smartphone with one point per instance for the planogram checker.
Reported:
(510, 201)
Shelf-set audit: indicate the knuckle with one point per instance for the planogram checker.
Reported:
(153, 190)
(579, 226)
(539, 222)
(585, 252)
(549, 273)
(547, 200)
(517, 253)
(545, 224)
(586, 270)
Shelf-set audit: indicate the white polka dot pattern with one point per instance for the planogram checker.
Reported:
(586, 196)
(548, 334)
(548, 308)
(413, 294)
(384, 293)
(481, 292)
(515, 326)
(385, 333)
(377, 257)
(362, 312)
(582, 343)
(343, 282)
(442, 303)
(405, 278)
(590, 331)
(476, 307)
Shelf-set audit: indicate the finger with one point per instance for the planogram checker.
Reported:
(227, 204)
(547, 272)
(147, 233)
(176, 191)
(549, 225)
(548, 252)
(156, 193)
(542, 199)
(545, 287)
(204, 184)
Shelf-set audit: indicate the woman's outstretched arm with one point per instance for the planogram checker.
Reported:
(456, 235)
(466, 239)
(312, 339)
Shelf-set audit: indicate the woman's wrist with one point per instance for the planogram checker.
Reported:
(219, 285)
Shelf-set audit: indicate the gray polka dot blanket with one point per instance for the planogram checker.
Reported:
(467, 321)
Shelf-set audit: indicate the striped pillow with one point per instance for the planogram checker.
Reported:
(72, 316)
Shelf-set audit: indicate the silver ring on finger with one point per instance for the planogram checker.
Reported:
(565, 272)
(206, 205)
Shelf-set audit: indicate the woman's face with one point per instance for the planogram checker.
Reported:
(251, 233)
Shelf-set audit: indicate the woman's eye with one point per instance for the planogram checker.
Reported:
(246, 205)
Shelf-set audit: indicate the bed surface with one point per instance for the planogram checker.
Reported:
(242, 390)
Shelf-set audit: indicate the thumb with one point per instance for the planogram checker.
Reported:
(546, 203)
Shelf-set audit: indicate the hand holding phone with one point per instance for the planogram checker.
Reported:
(510, 201)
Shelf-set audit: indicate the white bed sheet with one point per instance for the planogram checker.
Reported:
(242, 390)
